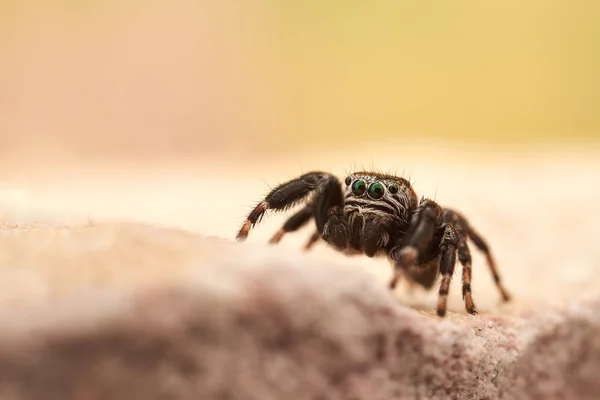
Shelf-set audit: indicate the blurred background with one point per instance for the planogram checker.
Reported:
(132, 78)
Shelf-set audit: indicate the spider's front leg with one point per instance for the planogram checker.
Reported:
(330, 217)
(312, 240)
(483, 246)
(424, 223)
(283, 197)
(294, 223)
(448, 247)
(326, 207)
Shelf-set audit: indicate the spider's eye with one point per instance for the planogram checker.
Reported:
(348, 181)
(376, 191)
(359, 187)
(393, 188)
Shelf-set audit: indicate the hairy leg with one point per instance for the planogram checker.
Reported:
(285, 196)
(314, 238)
(424, 275)
(295, 222)
(464, 256)
(448, 249)
(424, 223)
(464, 228)
(331, 220)
(482, 245)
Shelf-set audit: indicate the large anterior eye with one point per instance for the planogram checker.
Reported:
(376, 190)
(359, 187)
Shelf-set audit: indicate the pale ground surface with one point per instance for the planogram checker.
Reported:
(537, 212)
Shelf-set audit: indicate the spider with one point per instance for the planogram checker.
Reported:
(380, 214)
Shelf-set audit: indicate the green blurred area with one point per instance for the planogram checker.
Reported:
(331, 70)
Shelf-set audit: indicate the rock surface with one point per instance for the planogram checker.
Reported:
(113, 288)
(225, 320)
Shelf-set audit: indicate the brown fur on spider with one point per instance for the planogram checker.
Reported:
(381, 214)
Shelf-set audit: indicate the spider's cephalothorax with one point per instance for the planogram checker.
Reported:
(381, 214)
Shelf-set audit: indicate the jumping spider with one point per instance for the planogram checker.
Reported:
(380, 214)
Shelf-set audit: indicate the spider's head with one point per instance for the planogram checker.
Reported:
(375, 186)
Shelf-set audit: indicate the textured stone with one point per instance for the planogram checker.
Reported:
(224, 320)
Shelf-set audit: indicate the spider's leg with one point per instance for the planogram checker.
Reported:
(312, 240)
(331, 203)
(294, 223)
(330, 218)
(424, 223)
(466, 231)
(448, 246)
(483, 246)
(464, 256)
(283, 197)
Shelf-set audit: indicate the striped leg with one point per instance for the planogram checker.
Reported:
(425, 223)
(283, 197)
(449, 247)
(482, 245)
(294, 223)
(312, 241)
(464, 256)
(465, 230)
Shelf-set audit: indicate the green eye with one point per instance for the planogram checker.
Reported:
(376, 191)
(359, 187)
(348, 181)
(393, 188)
